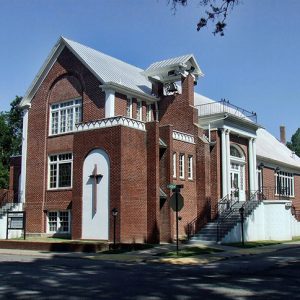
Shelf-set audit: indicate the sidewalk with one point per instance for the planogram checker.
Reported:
(154, 255)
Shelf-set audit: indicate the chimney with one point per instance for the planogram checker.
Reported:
(282, 135)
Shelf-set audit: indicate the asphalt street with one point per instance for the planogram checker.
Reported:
(264, 276)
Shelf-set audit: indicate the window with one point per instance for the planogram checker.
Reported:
(174, 165)
(284, 183)
(60, 171)
(234, 151)
(139, 110)
(129, 108)
(149, 113)
(190, 167)
(64, 116)
(181, 166)
(59, 221)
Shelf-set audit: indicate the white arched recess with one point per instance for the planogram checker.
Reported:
(237, 172)
(95, 210)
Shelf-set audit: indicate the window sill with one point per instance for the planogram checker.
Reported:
(60, 189)
(60, 134)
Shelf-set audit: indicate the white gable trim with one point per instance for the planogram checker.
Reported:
(43, 72)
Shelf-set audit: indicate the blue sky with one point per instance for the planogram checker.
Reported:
(255, 65)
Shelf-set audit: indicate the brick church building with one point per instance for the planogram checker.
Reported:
(100, 134)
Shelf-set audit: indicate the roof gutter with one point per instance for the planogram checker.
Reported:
(127, 91)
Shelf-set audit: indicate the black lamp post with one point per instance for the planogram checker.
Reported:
(114, 212)
(241, 211)
(261, 168)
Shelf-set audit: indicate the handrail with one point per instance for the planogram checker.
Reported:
(7, 196)
(224, 106)
(197, 223)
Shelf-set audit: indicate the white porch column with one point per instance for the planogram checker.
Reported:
(254, 165)
(250, 162)
(24, 155)
(227, 135)
(109, 103)
(224, 164)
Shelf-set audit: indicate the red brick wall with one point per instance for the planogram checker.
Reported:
(166, 177)
(153, 213)
(178, 110)
(128, 181)
(67, 79)
(215, 172)
(14, 175)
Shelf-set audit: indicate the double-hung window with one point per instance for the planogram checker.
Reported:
(59, 221)
(149, 113)
(129, 108)
(64, 116)
(181, 166)
(174, 165)
(139, 111)
(190, 167)
(60, 171)
(284, 183)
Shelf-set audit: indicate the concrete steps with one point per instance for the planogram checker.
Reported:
(216, 230)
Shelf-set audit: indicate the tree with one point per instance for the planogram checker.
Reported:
(216, 11)
(10, 138)
(294, 145)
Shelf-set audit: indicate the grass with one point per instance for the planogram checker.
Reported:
(190, 251)
(254, 244)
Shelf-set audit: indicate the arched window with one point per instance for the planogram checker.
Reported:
(236, 152)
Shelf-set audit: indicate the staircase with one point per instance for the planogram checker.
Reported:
(7, 201)
(7, 207)
(216, 230)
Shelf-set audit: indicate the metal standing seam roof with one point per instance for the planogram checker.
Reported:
(267, 146)
(156, 66)
(111, 69)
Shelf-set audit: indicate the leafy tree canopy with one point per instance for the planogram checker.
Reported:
(215, 11)
(294, 144)
(10, 138)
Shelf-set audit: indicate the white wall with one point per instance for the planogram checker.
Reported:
(271, 220)
(95, 223)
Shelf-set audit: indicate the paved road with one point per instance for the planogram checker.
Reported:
(265, 276)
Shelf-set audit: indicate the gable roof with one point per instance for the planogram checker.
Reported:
(107, 69)
(267, 146)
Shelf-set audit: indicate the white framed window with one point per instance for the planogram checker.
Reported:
(190, 167)
(181, 166)
(139, 110)
(149, 113)
(60, 171)
(285, 184)
(174, 164)
(59, 221)
(64, 116)
(129, 108)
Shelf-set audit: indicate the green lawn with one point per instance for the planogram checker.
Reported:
(254, 244)
(190, 251)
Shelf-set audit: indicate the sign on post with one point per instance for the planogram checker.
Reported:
(180, 202)
(16, 220)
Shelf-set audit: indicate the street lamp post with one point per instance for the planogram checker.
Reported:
(261, 168)
(242, 210)
(114, 214)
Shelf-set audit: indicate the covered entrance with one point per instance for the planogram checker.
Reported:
(237, 173)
